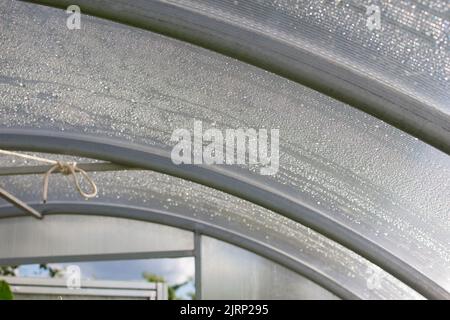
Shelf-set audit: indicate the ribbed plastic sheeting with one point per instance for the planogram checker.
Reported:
(129, 84)
(75, 238)
(246, 276)
(387, 58)
(409, 51)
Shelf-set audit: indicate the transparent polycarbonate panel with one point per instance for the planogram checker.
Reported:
(157, 191)
(409, 48)
(75, 236)
(123, 83)
(229, 272)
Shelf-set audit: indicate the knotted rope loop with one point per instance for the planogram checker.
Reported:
(70, 168)
(65, 168)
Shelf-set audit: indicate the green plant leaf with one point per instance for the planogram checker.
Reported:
(5, 291)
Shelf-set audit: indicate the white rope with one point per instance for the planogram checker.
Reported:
(66, 168)
(26, 156)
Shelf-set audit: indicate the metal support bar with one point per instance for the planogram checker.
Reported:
(97, 257)
(18, 203)
(88, 167)
(198, 265)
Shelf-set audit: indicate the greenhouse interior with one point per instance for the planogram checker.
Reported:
(225, 150)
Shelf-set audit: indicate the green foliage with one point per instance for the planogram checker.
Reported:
(11, 271)
(8, 271)
(192, 295)
(5, 291)
(52, 272)
(172, 289)
(150, 277)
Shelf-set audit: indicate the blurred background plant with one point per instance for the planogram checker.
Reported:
(12, 271)
(9, 271)
(172, 289)
(5, 291)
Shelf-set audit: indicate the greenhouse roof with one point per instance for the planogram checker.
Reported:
(363, 179)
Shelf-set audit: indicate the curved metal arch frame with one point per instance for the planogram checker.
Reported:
(246, 187)
(197, 226)
(275, 55)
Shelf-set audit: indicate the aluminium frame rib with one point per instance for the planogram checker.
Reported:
(247, 187)
(197, 226)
